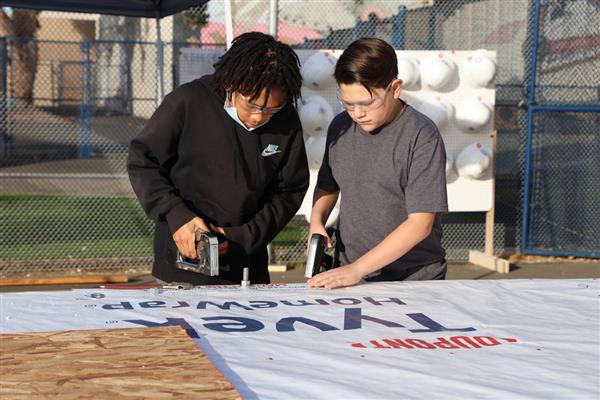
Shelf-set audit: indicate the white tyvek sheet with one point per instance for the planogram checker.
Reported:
(531, 339)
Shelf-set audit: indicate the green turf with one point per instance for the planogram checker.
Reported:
(59, 227)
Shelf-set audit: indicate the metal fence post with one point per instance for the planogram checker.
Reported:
(85, 108)
(4, 61)
(160, 58)
(399, 28)
(530, 93)
(431, 28)
(3, 98)
(357, 30)
(372, 25)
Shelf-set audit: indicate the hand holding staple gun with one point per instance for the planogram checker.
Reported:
(324, 270)
(185, 238)
(320, 230)
(317, 261)
(207, 260)
(203, 257)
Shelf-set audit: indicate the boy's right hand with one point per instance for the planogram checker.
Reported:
(320, 229)
(185, 237)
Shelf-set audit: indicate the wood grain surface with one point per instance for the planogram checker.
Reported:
(66, 280)
(137, 363)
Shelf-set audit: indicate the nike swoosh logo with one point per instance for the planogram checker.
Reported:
(267, 153)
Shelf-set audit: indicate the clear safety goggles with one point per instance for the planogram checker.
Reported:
(369, 105)
(252, 108)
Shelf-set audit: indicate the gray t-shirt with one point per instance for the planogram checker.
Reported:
(384, 176)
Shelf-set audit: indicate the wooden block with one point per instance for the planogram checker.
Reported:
(494, 263)
(140, 363)
(277, 268)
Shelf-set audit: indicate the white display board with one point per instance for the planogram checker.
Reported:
(508, 339)
(454, 88)
(463, 126)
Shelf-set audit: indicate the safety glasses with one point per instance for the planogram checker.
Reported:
(369, 105)
(252, 108)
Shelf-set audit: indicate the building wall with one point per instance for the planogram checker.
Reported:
(59, 74)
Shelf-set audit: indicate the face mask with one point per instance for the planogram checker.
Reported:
(232, 111)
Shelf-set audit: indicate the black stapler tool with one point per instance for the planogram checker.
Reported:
(207, 250)
(317, 261)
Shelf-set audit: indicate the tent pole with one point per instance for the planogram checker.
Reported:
(160, 63)
(273, 16)
(228, 24)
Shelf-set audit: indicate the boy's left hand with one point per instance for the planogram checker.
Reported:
(218, 229)
(348, 275)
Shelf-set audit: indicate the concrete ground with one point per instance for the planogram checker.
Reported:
(458, 271)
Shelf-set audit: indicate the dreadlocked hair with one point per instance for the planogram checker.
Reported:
(257, 61)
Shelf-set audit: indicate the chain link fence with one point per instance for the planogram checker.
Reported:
(76, 88)
(564, 134)
(563, 144)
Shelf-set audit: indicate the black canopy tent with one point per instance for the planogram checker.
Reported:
(131, 8)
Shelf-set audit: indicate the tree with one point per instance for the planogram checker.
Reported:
(21, 26)
(194, 18)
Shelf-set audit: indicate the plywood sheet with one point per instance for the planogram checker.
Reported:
(139, 363)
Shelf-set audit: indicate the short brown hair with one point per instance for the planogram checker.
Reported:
(368, 61)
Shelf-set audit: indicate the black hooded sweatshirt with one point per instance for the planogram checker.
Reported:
(192, 159)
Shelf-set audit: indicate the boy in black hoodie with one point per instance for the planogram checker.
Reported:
(224, 153)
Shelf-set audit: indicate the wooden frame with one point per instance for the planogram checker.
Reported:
(487, 259)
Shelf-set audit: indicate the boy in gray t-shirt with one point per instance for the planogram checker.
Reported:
(387, 161)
